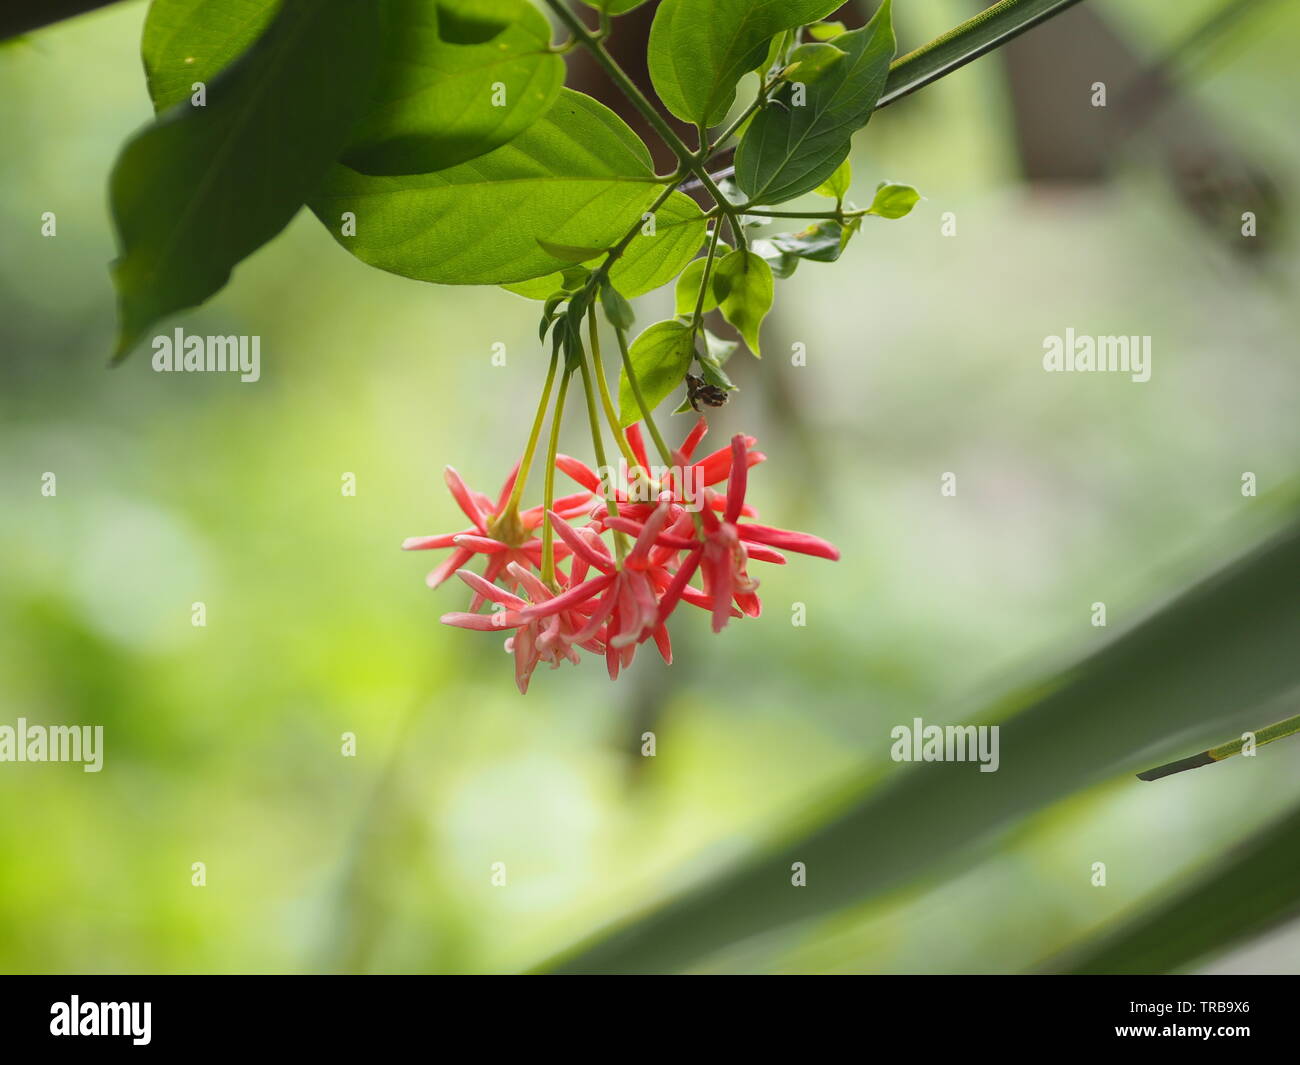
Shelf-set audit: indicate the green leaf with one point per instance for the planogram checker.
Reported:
(447, 93)
(825, 31)
(893, 201)
(1188, 674)
(822, 242)
(699, 49)
(1247, 892)
(660, 356)
(837, 185)
(688, 284)
(189, 41)
(790, 147)
(578, 177)
(809, 62)
(203, 187)
(651, 260)
(618, 312)
(742, 282)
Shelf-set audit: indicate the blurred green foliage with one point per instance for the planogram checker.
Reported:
(223, 742)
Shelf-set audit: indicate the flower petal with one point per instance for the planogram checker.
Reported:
(460, 491)
(786, 540)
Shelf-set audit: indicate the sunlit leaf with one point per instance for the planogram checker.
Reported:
(825, 31)
(651, 260)
(837, 185)
(893, 200)
(578, 178)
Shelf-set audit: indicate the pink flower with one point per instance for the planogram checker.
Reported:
(546, 629)
(610, 603)
(504, 537)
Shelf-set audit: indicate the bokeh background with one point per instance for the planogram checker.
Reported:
(923, 356)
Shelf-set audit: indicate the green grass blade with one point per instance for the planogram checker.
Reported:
(990, 29)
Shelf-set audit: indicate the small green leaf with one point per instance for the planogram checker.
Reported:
(825, 31)
(548, 312)
(802, 136)
(742, 282)
(688, 284)
(458, 80)
(809, 62)
(203, 187)
(618, 311)
(893, 201)
(836, 187)
(699, 49)
(660, 356)
(821, 242)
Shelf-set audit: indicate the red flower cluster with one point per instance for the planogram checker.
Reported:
(665, 531)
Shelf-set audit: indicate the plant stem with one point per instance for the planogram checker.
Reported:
(548, 530)
(527, 461)
(597, 438)
(698, 318)
(611, 416)
(1277, 731)
(646, 415)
